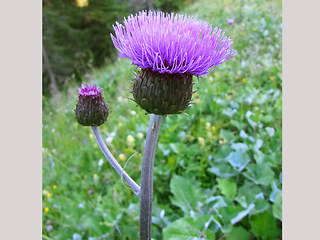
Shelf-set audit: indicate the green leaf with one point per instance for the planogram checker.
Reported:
(265, 226)
(223, 170)
(186, 193)
(228, 187)
(177, 148)
(259, 174)
(237, 124)
(267, 119)
(227, 214)
(261, 205)
(239, 147)
(277, 207)
(227, 135)
(238, 233)
(247, 193)
(238, 160)
(189, 228)
(228, 112)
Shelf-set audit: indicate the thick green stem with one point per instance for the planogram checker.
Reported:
(146, 194)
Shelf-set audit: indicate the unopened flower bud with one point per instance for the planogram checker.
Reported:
(91, 109)
(162, 94)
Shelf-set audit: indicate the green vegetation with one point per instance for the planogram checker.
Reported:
(217, 171)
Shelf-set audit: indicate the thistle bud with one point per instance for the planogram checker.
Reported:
(162, 93)
(91, 109)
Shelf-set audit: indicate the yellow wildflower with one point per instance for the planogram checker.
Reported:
(244, 80)
(214, 129)
(49, 195)
(255, 29)
(82, 3)
(122, 157)
(130, 140)
(194, 95)
(140, 135)
(271, 78)
(91, 136)
(54, 187)
(46, 209)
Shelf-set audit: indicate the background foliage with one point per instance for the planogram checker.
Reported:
(75, 38)
(217, 171)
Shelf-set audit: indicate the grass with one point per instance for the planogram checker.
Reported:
(221, 165)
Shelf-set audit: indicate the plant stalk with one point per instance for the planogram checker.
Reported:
(132, 184)
(146, 195)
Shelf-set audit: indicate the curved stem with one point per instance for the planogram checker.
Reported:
(132, 184)
(146, 194)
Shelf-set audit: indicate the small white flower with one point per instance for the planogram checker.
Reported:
(100, 162)
(162, 214)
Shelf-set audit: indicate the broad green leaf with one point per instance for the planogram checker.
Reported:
(259, 174)
(261, 205)
(223, 170)
(237, 124)
(247, 193)
(228, 112)
(186, 193)
(189, 228)
(242, 214)
(177, 148)
(228, 187)
(227, 135)
(229, 212)
(277, 206)
(267, 119)
(264, 226)
(238, 160)
(239, 147)
(238, 233)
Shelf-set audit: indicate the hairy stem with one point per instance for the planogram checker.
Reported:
(132, 184)
(146, 194)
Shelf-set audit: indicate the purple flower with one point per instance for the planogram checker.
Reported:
(171, 43)
(91, 90)
(89, 191)
(230, 20)
(49, 228)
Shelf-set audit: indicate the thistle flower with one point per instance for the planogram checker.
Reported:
(91, 109)
(170, 49)
(230, 21)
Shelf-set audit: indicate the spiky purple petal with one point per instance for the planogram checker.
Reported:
(90, 90)
(171, 43)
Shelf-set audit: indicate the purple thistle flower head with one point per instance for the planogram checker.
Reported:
(91, 90)
(171, 43)
(230, 21)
